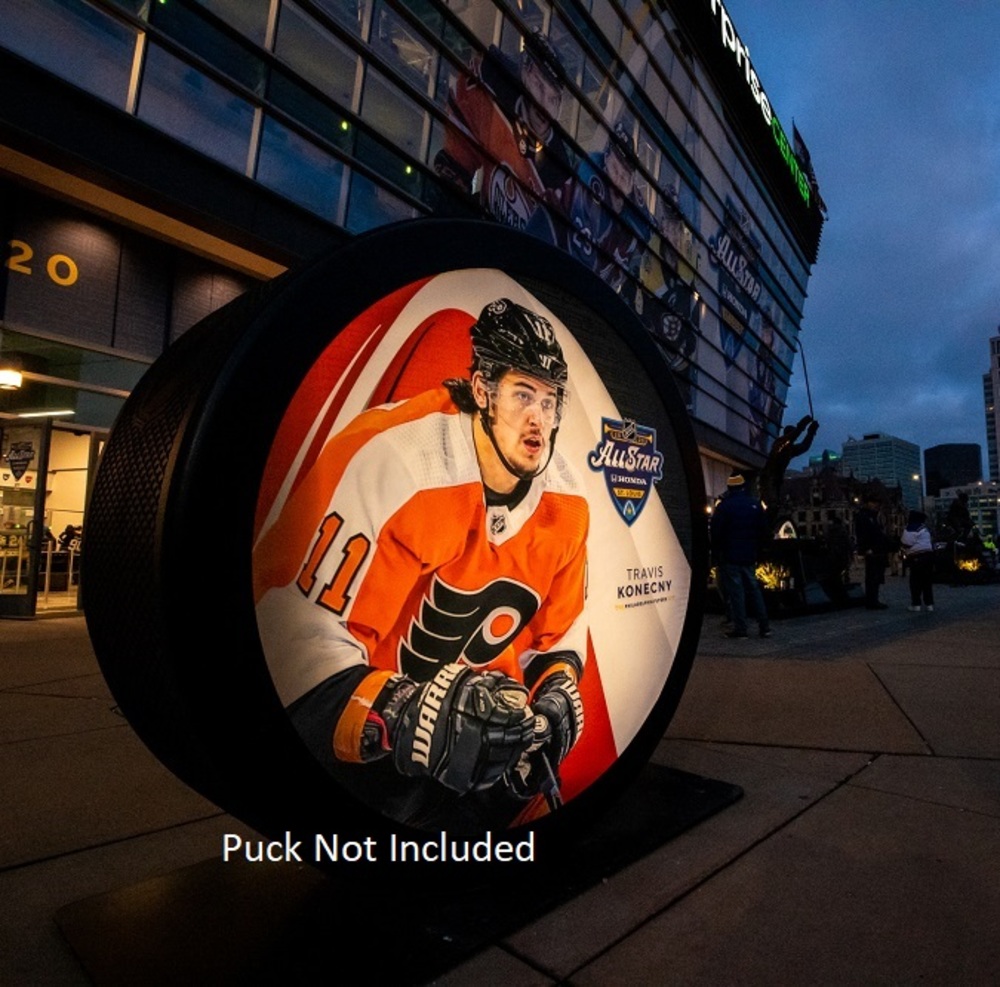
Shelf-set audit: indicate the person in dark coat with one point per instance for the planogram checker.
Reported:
(739, 526)
(871, 541)
(839, 553)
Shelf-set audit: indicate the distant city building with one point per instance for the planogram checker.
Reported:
(814, 501)
(984, 500)
(894, 461)
(827, 459)
(991, 389)
(952, 465)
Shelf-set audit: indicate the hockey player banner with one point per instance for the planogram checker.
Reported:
(457, 504)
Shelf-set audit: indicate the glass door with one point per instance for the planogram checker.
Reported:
(71, 464)
(23, 462)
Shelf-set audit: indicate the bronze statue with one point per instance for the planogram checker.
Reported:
(786, 447)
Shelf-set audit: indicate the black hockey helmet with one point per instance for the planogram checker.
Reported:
(541, 51)
(508, 336)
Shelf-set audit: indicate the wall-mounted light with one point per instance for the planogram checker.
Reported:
(10, 379)
(47, 414)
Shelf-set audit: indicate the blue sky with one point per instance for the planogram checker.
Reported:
(899, 103)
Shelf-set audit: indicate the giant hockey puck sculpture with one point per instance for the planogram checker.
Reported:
(405, 542)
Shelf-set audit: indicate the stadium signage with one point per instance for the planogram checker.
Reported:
(731, 40)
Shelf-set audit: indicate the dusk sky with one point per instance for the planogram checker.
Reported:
(899, 104)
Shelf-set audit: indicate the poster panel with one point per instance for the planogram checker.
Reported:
(392, 578)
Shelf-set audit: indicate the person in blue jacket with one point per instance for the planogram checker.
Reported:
(739, 527)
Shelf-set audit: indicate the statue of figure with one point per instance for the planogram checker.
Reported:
(786, 447)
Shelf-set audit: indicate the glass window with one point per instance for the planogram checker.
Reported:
(638, 12)
(249, 17)
(426, 12)
(479, 16)
(533, 13)
(656, 91)
(535, 17)
(404, 49)
(569, 50)
(393, 114)
(589, 132)
(454, 41)
(193, 31)
(347, 13)
(383, 159)
(303, 106)
(72, 362)
(371, 205)
(73, 40)
(138, 7)
(447, 73)
(510, 39)
(607, 19)
(185, 103)
(299, 170)
(317, 55)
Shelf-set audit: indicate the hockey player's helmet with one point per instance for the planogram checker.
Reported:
(541, 51)
(621, 145)
(508, 336)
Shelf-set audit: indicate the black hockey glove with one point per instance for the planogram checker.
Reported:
(463, 728)
(558, 711)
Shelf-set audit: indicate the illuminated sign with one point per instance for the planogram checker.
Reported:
(465, 554)
(731, 40)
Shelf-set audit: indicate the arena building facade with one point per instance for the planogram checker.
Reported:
(159, 157)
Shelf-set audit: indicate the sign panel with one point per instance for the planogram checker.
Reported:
(386, 549)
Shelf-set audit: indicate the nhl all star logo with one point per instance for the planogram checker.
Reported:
(627, 455)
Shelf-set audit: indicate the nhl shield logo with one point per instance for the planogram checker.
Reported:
(627, 455)
(19, 458)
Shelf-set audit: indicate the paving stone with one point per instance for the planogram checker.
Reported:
(865, 888)
(773, 794)
(74, 791)
(787, 703)
(957, 710)
(970, 784)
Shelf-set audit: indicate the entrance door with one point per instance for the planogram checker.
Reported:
(72, 459)
(46, 472)
(23, 461)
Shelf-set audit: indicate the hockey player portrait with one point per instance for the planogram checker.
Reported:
(502, 144)
(598, 214)
(421, 594)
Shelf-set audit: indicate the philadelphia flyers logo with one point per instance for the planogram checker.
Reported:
(473, 626)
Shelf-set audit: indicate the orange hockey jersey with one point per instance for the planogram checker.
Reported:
(490, 153)
(387, 555)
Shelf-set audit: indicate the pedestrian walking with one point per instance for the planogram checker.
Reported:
(739, 527)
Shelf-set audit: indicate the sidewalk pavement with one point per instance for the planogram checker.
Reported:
(865, 850)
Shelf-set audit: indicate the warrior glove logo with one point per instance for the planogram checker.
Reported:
(471, 626)
(627, 455)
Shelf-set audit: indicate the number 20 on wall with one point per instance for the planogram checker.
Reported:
(62, 270)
